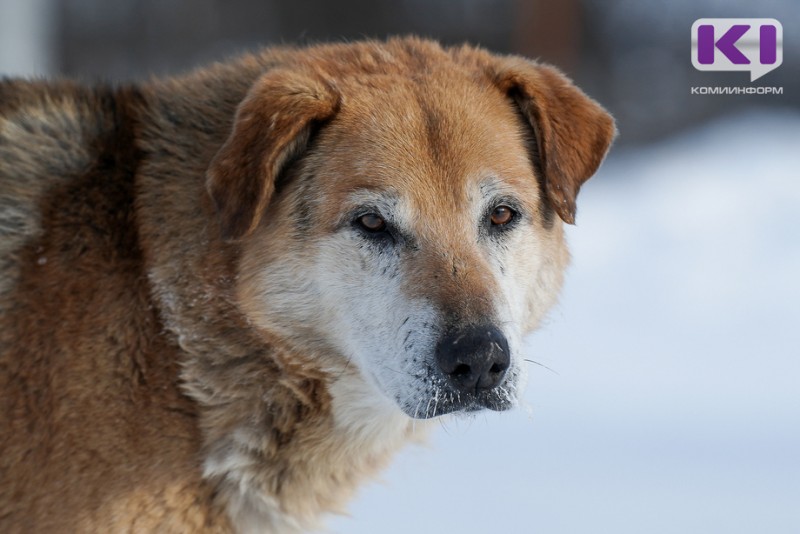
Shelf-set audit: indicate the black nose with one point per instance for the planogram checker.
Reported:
(474, 358)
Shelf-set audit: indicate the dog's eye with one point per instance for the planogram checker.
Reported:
(502, 215)
(372, 223)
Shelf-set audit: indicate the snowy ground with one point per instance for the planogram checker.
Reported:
(676, 403)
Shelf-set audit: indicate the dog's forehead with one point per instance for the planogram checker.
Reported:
(433, 139)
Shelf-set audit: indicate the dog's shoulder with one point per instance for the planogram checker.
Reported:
(54, 137)
(49, 133)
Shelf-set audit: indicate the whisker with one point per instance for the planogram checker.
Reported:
(503, 392)
(443, 424)
(344, 370)
(398, 371)
(416, 413)
(427, 408)
(541, 365)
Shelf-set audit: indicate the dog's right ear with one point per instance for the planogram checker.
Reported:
(572, 131)
(271, 127)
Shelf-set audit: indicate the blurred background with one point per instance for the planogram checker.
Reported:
(629, 54)
(668, 399)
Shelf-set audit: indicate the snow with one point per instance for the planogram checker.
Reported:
(675, 402)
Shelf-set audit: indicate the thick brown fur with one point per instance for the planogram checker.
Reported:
(133, 220)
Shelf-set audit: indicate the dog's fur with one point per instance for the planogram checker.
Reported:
(194, 334)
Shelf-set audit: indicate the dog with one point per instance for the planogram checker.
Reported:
(227, 298)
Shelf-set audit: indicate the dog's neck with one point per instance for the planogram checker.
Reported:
(297, 445)
(273, 485)
(285, 441)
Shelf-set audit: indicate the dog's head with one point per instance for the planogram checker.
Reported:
(400, 207)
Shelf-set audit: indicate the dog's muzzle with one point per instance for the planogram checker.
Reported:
(474, 360)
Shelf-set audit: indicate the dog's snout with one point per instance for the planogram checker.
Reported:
(474, 359)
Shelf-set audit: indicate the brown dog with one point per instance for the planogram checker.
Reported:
(225, 298)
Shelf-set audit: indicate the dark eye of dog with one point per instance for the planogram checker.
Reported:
(372, 222)
(502, 215)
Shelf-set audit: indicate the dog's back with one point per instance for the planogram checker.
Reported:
(80, 409)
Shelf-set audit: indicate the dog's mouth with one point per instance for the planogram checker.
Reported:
(485, 401)
(439, 399)
(453, 403)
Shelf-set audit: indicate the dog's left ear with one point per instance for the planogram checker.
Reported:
(272, 127)
(573, 132)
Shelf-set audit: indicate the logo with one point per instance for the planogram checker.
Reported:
(754, 45)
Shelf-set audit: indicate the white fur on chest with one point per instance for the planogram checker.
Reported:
(367, 430)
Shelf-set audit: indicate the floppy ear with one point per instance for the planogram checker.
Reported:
(271, 127)
(573, 132)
